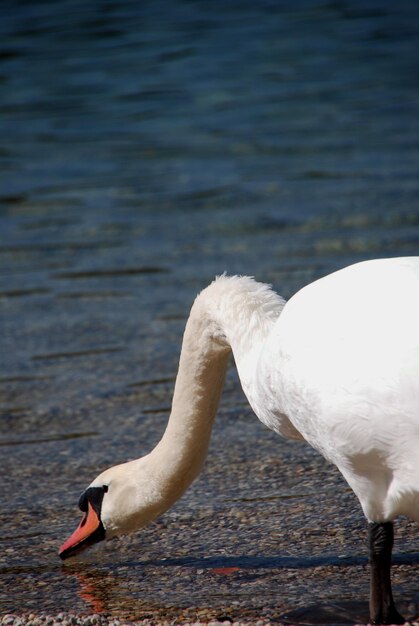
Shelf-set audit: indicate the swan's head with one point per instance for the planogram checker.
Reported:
(121, 499)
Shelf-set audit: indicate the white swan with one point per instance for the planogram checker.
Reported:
(337, 365)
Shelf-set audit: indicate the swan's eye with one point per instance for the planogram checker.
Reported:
(94, 495)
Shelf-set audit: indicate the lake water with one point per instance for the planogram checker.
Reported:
(144, 148)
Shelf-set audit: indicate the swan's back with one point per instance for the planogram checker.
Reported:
(346, 350)
(366, 317)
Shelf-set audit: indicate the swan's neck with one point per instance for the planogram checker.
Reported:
(232, 313)
(199, 383)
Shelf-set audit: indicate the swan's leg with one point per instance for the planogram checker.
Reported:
(382, 609)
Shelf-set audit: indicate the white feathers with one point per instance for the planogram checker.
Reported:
(347, 371)
(242, 299)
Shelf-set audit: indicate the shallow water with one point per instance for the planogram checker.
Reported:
(144, 148)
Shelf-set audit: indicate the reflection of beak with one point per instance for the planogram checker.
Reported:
(89, 591)
(89, 531)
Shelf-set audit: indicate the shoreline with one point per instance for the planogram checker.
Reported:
(71, 619)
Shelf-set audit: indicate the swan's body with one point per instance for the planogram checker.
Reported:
(337, 365)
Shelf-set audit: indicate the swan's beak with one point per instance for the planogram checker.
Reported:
(89, 531)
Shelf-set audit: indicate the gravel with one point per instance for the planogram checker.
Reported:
(68, 619)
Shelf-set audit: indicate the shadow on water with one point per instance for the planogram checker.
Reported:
(334, 613)
(337, 613)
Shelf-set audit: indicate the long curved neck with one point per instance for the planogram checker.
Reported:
(223, 317)
(199, 383)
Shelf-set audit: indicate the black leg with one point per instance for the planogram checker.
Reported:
(382, 609)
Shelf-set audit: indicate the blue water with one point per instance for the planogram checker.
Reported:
(144, 148)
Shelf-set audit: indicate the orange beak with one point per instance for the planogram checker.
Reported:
(88, 531)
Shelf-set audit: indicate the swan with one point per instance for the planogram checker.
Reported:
(337, 366)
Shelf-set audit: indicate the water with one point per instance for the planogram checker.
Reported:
(144, 148)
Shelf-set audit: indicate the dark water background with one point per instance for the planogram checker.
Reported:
(144, 148)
